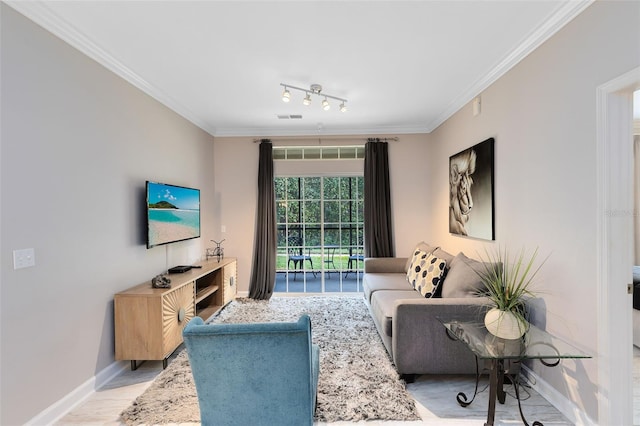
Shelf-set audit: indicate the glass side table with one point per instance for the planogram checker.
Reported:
(535, 344)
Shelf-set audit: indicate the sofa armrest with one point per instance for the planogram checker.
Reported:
(420, 344)
(385, 264)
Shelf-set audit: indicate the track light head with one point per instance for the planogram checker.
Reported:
(286, 95)
(325, 105)
(343, 107)
(307, 99)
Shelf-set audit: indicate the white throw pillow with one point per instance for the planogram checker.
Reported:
(425, 273)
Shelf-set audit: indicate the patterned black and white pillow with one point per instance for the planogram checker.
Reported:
(426, 272)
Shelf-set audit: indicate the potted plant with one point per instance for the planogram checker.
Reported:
(508, 285)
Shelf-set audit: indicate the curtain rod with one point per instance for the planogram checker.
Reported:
(337, 138)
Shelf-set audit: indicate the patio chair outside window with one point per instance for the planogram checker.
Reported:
(298, 257)
(354, 258)
(330, 252)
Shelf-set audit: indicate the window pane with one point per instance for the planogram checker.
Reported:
(331, 188)
(279, 153)
(331, 212)
(294, 237)
(280, 188)
(348, 152)
(311, 188)
(346, 212)
(360, 186)
(313, 237)
(329, 152)
(331, 235)
(293, 188)
(312, 212)
(294, 153)
(282, 236)
(293, 212)
(281, 212)
(312, 153)
(360, 210)
(346, 237)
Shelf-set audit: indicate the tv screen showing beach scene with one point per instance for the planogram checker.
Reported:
(173, 213)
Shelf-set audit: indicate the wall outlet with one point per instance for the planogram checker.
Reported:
(24, 258)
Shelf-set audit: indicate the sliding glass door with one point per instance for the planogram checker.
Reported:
(320, 231)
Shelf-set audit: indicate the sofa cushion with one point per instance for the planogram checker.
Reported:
(426, 272)
(436, 250)
(443, 255)
(463, 279)
(383, 305)
(375, 265)
(421, 246)
(384, 281)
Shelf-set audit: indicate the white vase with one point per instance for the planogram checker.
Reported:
(504, 324)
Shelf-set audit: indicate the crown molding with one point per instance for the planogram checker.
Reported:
(558, 19)
(41, 14)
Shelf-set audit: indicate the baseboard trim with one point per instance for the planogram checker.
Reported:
(575, 414)
(59, 409)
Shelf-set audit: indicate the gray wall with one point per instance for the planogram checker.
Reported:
(77, 145)
(542, 115)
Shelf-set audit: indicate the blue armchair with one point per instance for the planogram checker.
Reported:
(254, 374)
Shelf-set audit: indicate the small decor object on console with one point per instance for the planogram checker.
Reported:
(161, 281)
(508, 286)
(216, 251)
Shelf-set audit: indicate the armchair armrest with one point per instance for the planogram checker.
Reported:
(385, 264)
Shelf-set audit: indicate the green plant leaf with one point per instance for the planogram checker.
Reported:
(509, 280)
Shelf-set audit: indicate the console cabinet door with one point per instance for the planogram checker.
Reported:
(229, 282)
(149, 326)
(177, 310)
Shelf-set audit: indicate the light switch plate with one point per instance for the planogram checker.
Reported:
(24, 258)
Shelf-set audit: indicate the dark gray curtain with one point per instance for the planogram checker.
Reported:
(263, 274)
(378, 231)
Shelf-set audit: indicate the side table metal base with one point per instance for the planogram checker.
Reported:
(496, 391)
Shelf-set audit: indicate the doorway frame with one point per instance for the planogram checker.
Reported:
(614, 125)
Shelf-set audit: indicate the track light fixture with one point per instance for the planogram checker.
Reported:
(314, 89)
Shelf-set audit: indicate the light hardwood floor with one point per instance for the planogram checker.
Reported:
(435, 397)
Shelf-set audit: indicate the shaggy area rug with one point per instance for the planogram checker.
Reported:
(357, 378)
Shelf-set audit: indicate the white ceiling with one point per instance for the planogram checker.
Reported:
(404, 66)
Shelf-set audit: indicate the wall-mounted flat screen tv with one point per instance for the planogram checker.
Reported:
(173, 213)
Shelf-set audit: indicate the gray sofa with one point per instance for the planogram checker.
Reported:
(408, 322)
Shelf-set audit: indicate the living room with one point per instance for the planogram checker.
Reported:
(81, 141)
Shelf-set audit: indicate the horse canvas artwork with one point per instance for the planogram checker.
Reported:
(471, 208)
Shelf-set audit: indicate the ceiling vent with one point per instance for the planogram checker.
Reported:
(289, 116)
